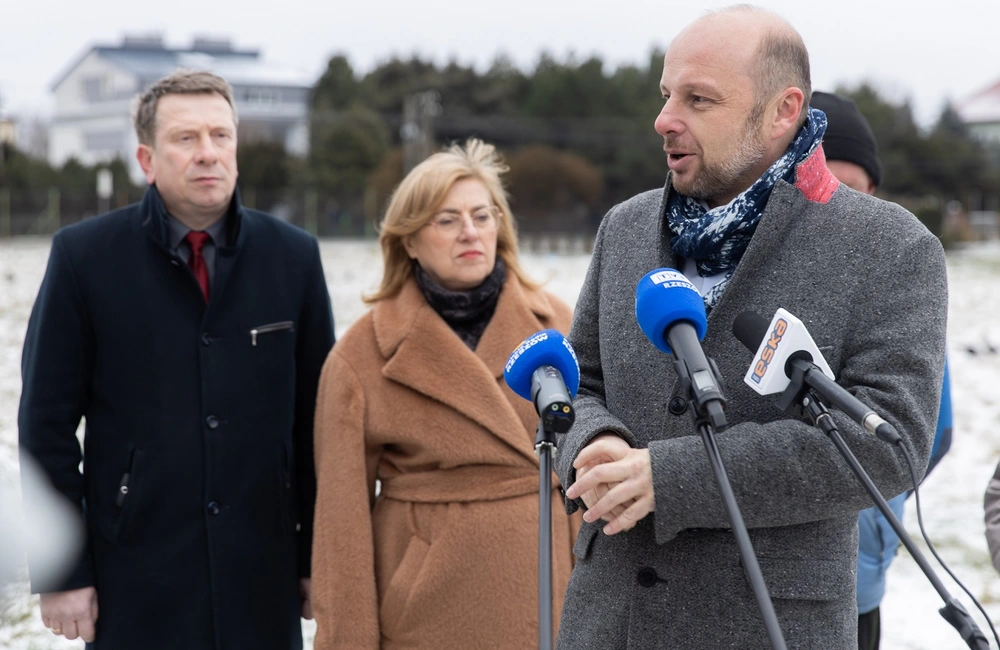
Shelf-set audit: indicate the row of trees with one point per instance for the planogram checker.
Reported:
(34, 196)
(577, 136)
(926, 171)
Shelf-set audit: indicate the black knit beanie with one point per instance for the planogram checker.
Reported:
(848, 136)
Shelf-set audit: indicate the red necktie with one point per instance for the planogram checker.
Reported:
(197, 239)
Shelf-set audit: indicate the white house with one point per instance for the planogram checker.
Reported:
(94, 97)
(981, 112)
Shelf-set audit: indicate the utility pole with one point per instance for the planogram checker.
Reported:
(417, 132)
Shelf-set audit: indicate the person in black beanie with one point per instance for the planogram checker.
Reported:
(852, 156)
(849, 144)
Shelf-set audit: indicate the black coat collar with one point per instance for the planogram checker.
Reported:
(154, 220)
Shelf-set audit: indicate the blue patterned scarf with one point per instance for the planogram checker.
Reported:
(717, 238)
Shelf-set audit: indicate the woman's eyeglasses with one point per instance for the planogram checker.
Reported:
(452, 224)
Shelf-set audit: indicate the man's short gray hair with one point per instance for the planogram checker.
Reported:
(781, 60)
(181, 82)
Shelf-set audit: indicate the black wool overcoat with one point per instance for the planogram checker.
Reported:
(197, 483)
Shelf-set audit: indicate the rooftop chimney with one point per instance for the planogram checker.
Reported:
(211, 45)
(153, 41)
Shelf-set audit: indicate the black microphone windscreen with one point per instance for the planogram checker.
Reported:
(750, 328)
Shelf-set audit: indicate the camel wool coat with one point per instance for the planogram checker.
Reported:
(446, 556)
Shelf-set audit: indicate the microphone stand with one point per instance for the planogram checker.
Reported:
(709, 417)
(545, 448)
(799, 392)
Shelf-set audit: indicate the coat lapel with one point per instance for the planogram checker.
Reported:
(519, 314)
(424, 354)
(661, 234)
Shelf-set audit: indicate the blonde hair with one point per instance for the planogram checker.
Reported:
(418, 197)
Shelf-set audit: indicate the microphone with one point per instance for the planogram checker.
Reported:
(784, 349)
(543, 370)
(785, 344)
(671, 313)
(786, 338)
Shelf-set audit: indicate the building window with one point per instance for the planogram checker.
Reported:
(295, 96)
(262, 97)
(110, 141)
(93, 89)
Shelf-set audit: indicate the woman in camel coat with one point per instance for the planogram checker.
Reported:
(413, 397)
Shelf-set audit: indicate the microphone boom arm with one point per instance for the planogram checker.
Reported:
(800, 391)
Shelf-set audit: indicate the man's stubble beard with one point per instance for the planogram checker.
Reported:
(721, 179)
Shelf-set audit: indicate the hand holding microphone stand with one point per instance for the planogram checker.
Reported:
(671, 313)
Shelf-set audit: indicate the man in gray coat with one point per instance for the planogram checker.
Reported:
(752, 216)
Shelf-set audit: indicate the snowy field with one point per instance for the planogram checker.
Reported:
(951, 496)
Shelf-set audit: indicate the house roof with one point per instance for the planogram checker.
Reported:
(149, 60)
(981, 107)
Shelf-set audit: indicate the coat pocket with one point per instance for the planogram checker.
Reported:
(126, 496)
(585, 540)
(269, 364)
(397, 595)
(258, 333)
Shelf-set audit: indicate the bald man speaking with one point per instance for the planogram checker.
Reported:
(753, 217)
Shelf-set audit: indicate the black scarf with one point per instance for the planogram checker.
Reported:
(466, 312)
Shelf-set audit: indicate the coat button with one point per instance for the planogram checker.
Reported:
(206, 339)
(678, 406)
(213, 508)
(647, 577)
(212, 422)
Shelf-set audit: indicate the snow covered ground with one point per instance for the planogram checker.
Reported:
(951, 496)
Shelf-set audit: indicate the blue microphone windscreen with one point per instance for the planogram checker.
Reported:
(663, 297)
(544, 348)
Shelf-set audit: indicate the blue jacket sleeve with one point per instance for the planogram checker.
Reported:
(877, 541)
(877, 545)
(942, 438)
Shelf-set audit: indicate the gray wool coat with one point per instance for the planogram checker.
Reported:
(869, 282)
(991, 509)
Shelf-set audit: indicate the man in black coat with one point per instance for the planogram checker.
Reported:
(189, 333)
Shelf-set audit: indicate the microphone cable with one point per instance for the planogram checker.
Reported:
(930, 546)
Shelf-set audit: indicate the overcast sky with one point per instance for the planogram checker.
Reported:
(925, 50)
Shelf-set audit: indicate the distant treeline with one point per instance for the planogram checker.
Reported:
(578, 138)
